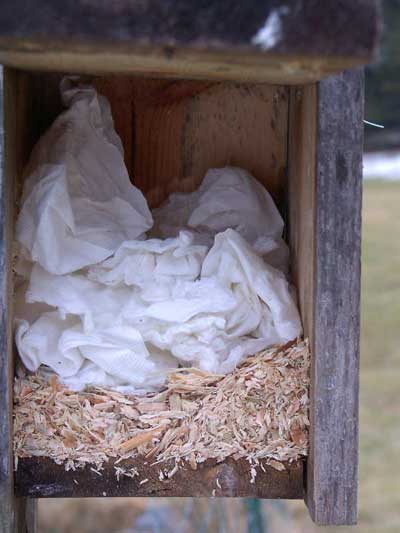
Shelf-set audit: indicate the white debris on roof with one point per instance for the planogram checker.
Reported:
(270, 34)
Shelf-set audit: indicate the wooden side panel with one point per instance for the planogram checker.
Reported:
(332, 470)
(8, 505)
(301, 197)
(15, 513)
(302, 149)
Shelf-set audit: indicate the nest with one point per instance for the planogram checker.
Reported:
(259, 412)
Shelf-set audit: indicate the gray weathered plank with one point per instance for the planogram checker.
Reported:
(16, 514)
(7, 504)
(333, 462)
(327, 27)
(330, 27)
(212, 39)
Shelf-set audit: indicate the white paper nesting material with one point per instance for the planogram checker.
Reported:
(78, 186)
(104, 305)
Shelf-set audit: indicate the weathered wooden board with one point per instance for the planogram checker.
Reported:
(333, 459)
(301, 198)
(7, 501)
(13, 512)
(280, 41)
(209, 126)
(42, 478)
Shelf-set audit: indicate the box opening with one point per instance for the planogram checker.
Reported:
(174, 130)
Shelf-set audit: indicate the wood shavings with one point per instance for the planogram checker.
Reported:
(139, 440)
(258, 412)
(173, 471)
(127, 472)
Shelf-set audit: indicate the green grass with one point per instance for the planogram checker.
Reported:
(380, 360)
(380, 339)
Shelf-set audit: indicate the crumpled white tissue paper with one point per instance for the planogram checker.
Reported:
(227, 198)
(101, 304)
(78, 202)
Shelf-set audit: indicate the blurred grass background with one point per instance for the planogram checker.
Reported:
(379, 420)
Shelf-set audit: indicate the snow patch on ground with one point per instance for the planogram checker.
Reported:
(382, 165)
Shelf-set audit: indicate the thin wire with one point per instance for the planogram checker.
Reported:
(373, 124)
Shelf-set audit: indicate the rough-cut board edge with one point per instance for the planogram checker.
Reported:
(179, 63)
(301, 197)
(293, 27)
(6, 498)
(42, 478)
(8, 511)
(16, 514)
(332, 468)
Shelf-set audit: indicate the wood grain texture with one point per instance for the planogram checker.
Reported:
(242, 125)
(26, 515)
(301, 198)
(13, 511)
(332, 467)
(190, 38)
(179, 129)
(327, 27)
(182, 63)
(7, 501)
(41, 477)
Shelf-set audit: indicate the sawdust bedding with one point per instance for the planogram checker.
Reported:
(259, 412)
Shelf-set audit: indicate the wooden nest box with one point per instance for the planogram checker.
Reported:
(272, 86)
